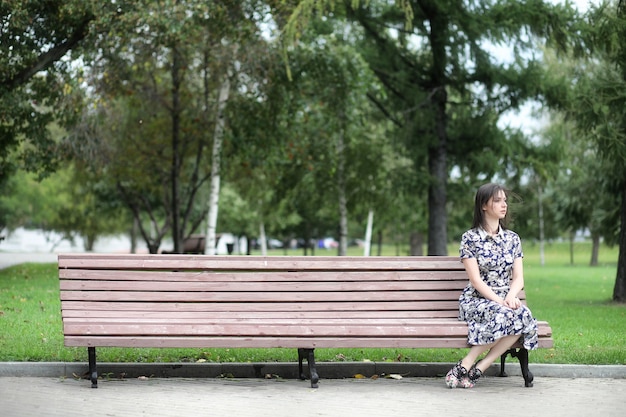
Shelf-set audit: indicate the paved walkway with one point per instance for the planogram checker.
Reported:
(554, 397)
(8, 258)
(559, 391)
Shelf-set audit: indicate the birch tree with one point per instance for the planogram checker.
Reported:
(218, 138)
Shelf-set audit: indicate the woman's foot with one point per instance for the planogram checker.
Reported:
(458, 377)
(474, 375)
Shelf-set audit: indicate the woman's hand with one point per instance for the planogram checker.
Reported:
(512, 302)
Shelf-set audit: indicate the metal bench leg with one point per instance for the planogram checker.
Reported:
(310, 357)
(503, 362)
(93, 373)
(300, 359)
(522, 355)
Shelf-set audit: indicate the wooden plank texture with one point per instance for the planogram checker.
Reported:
(257, 263)
(274, 342)
(261, 276)
(247, 301)
(261, 307)
(250, 287)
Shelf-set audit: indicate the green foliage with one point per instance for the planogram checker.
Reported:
(288, 147)
(401, 84)
(32, 77)
(65, 203)
(597, 110)
(35, 204)
(146, 128)
(446, 90)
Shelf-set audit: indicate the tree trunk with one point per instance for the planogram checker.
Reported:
(218, 139)
(175, 168)
(542, 259)
(263, 239)
(368, 233)
(438, 152)
(571, 247)
(341, 187)
(154, 236)
(416, 242)
(133, 236)
(437, 196)
(89, 241)
(619, 291)
(595, 248)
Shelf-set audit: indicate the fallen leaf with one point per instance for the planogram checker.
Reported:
(142, 378)
(359, 376)
(394, 376)
(374, 377)
(201, 361)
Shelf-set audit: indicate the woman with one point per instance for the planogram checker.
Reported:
(496, 319)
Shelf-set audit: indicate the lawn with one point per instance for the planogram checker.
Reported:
(576, 299)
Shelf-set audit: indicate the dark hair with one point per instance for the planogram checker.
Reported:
(484, 193)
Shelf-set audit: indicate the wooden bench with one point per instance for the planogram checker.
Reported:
(194, 245)
(265, 302)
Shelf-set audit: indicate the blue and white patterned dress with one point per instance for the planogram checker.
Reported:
(487, 320)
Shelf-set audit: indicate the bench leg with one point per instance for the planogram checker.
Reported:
(503, 362)
(309, 354)
(93, 373)
(522, 355)
(300, 359)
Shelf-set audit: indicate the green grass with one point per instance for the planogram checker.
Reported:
(576, 299)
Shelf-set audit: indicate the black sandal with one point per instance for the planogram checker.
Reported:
(458, 376)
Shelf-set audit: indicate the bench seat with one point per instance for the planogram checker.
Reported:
(306, 303)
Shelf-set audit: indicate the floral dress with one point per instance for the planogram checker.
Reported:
(487, 320)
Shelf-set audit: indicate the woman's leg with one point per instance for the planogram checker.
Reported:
(458, 375)
(497, 349)
(473, 354)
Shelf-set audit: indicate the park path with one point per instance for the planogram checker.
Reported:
(176, 397)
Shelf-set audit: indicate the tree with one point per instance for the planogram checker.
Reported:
(598, 109)
(440, 78)
(581, 193)
(66, 203)
(157, 74)
(35, 36)
(335, 148)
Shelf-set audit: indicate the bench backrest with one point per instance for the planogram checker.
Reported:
(117, 296)
(301, 286)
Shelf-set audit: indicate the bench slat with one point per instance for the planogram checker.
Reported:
(253, 297)
(395, 328)
(208, 286)
(260, 329)
(276, 327)
(270, 321)
(286, 306)
(259, 315)
(257, 263)
(261, 276)
(274, 342)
